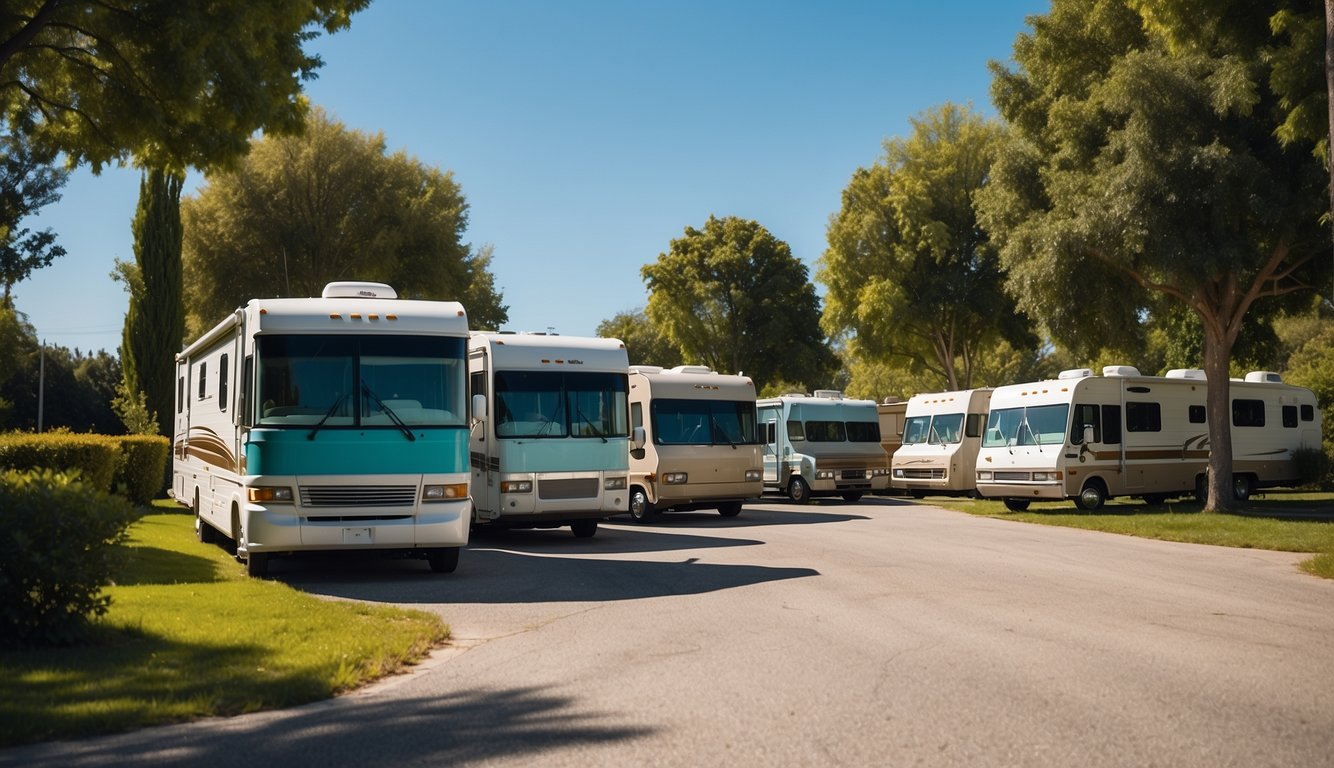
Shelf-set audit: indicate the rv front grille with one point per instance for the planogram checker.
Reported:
(358, 495)
(1021, 477)
(568, 488)
(937, 473)
(854, 474)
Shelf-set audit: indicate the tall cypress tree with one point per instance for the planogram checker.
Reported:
(155, 323)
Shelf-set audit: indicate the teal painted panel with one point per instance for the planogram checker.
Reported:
(356, 452)
(564, 455)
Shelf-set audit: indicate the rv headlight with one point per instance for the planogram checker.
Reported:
(898, 473)
(982, 476)
(675, 478)
(614, 484)
(752, 474)
(451, 492)
(824, 474)
(879, 472)
(273, 494)
(516, 486)
(1049, 477)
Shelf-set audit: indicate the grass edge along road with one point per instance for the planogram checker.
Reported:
(1280, 521)
(188, 635)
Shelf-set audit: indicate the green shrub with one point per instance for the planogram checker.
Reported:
(58, 549)
(97, 458)
(1312, 466)
(144, 469)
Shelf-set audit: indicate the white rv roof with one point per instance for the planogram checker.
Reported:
(948, 402)
(538, 351)
(694, 382)
(358, 315)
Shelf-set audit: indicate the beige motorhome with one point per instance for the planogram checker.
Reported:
(941, 436)
(891, 412)
(694, 443)
(1090, 438)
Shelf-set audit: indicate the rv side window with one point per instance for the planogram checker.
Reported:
(203, 379)
(1290, 416)
(1144, 417)
(973, 426)
(222, 384)
(247, 390)
(770, 434)
(1085, 416)
(1111, 425)
(180, 394)
(1248, 413)
(477, 383)
(1308, 413)
(1197, 414)
(794, 431)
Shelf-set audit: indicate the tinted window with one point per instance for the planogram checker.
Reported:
(1144, 417)
(222, 384)
(1308, 413)
(1248, 413)
(1290, 416)
(863, 431)
(825, 431)
(1197, 414)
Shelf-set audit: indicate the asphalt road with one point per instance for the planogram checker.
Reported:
(880, 633)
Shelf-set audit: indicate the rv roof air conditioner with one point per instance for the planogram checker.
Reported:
(1076, 373)
(691, 369)
(1264, 377)
(890, 400)
(1120, 370)
(829, 394)
(354, 289)
(1196, 374)
(646, 369)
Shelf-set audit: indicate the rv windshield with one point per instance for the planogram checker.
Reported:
(945, 428)
(703, 422)
(561, 404)
(1034, 425)
(863, 431)
(309, 380)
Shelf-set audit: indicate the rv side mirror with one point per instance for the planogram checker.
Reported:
(479, 407)
(637, 438)
(1088, 434)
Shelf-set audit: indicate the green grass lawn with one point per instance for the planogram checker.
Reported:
(188, 635)
(1274, 521)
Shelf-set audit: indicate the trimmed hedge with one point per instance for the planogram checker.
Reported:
(133, 465)
(58, 549)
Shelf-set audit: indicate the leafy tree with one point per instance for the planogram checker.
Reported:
(28, 181)
(173, 84)
(644, 341)
(909, 271)
(155, 323)
(733, 297)
(330, 205)
(1139, 173)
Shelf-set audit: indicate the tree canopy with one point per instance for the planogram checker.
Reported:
(331, 204)
(910, 273)
(1139, 170)
(733, 297)
(28, 182)
(644, 341)
(171, 83)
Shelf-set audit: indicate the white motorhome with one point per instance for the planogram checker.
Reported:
(550, 441)
(822, 445)
(698, 448)
(1090, 438)
(327, 424)
(942, 433)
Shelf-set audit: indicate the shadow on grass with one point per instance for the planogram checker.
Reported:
(152, 565)
(124, 679)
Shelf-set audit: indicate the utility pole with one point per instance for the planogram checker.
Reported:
(41, 384)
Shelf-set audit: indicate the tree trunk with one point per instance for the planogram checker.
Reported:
(1217, 356)
(1329, 87)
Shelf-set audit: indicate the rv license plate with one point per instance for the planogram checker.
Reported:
(357, 536)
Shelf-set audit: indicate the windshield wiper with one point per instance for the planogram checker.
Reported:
(718, 428)
(320, 424)
(365, 390)
(580, 413)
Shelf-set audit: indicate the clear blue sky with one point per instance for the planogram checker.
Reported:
(587, 135)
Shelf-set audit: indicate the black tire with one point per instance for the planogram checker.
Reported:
(798, 491)
(1155, 498)
(257, 565)
(730, 509)
(1016, 505)
(641, 509)
(1091, 496)
(1202, 488)
(852, 497)
(443, 559)
(584, 529)
(206, 533)
(917, 493)
(1242, 487)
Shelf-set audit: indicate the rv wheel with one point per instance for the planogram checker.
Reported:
(1241, 487)
(1201, 488)
(1092, 496)
(730, 509)
(641, 509)
(257, 565)
(852, 497)
(798, 491)
(584, 529)
(443, 559)
(1016, 505)
(1155, 498)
